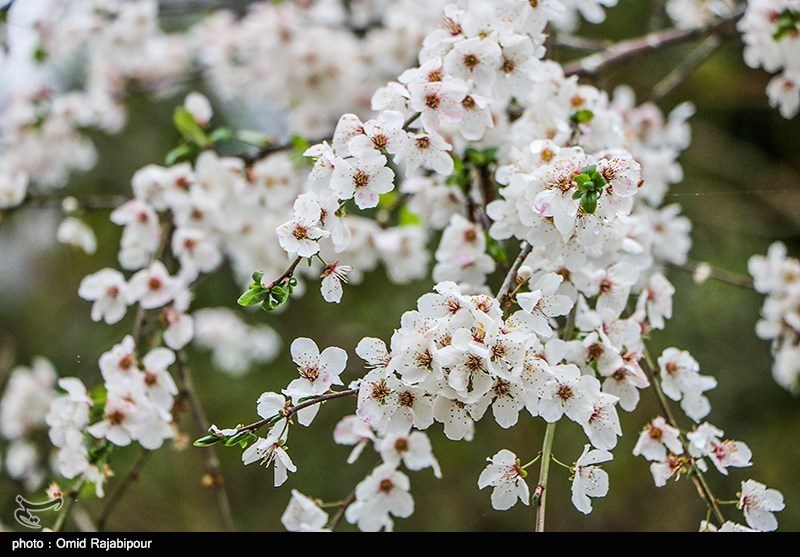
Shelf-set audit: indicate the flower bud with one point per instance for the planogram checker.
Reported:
(701, 273)
(524, 274)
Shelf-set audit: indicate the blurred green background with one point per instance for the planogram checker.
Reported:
(740, 191)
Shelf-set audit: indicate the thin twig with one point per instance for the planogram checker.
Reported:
(505, 289)
(122, 488)
(697, 476)
(292, 410)
(194, 7)
(90, 203)
(631, 49)
(6, 361)
(287, 274)
(682, 71)
(722, 275)
(212, 460)
(580, 43)
(337, 518)
(72, 496)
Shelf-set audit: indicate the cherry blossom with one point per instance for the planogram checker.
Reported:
(505, 475)
(382, 493)
(590, 480)
(303, 515)
(758, 504)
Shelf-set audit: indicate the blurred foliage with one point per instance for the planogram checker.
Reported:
(739, 191)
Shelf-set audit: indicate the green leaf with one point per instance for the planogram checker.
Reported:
(189, 128)
(598, 179)
(406, 217)
(577, 195)
(252, 138)
(220, 135)
(299, 146)
(180, 153)
(496, 250)
(481, 157)
(788, 22)
(207, 441)
(39, 54)
(460, 175)
(254, 295)
(589, 202)
(276, 296)
(582, 178)
(583, 116)
(258, 277)
(236, 439)
(389, 200)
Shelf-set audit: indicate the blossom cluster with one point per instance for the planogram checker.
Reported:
(778, 277)
(44, 113)
(771, 34)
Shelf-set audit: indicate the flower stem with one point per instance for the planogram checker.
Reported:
(567, 466)
(703, 489)
(71, 498)
(532, 462)
(540, 495)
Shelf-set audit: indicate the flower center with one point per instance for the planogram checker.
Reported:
(406, 398)
(564, 392)
(470, 61)
(380, 142)
(310, 373)
(473, 363)
(380, 391)
(595, 351)
(501, 388)
(116, 417)
(300, 232)
(424, 359)
(386, 486)
(432, 101)
(154, 283)
(361, 179)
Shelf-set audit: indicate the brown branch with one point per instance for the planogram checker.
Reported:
(90, 203)
(287, 274)
(292, 410)
(631, 49)
(579, 43)
(505, 289)
(216, 479)
(337, 518)
(196, 7)
(681, 72)
(722, 275)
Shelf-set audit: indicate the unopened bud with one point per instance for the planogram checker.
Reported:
(524, 274)
(701, 273)
(70, 205)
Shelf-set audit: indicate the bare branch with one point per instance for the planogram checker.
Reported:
(626, 51)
